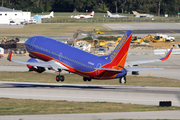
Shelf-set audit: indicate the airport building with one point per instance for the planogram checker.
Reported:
(6, 15)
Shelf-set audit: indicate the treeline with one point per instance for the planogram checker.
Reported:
(115, 6)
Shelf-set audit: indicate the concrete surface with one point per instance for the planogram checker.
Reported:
(97, 116)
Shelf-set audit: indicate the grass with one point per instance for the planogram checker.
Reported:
(29, 107)
(51, 29)
(76, 79)
(177, 38)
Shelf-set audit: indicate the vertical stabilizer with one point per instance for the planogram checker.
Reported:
(52, 14)
(92, 14)
(109, 14)
(118, 56)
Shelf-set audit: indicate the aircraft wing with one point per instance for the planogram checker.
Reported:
(129, 69)
(137, 62)
(49, 64)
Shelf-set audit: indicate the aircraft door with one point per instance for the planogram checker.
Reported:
(98, 66)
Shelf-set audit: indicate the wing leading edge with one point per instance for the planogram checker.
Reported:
(137, 62)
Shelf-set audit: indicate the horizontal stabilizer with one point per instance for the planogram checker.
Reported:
(109, 69)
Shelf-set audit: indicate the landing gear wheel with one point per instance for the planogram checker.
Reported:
(86, 79)
(89, 79)
(59, 78)
(122, 79)
(62, 78)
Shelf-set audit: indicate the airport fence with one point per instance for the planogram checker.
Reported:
(111, 20)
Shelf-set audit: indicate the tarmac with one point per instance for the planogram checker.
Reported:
(99, 116)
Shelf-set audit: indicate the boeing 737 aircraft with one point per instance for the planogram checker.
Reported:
(114, 16)
(91, 15)
(55, 55)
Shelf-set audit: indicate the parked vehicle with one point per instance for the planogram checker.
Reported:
(168, 38)
(11, 22)
(32, 21)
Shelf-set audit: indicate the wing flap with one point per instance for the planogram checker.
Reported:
(39, 64)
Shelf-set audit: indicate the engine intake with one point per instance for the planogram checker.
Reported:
(32, 68)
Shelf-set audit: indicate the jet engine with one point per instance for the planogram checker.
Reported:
(36, 69)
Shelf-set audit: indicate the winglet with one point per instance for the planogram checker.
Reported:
(167, 55)
(10, 55)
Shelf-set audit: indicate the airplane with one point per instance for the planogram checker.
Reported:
(136, 14)
(51, 15)
(114, 16)
(55, 55)
(91, 15)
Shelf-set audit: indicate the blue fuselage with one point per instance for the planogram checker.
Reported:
(78, 61)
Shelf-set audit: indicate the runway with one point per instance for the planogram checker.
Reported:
(97, 116)
(91, 93)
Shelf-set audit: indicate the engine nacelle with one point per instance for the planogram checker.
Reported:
(32, 68)
(135, 72)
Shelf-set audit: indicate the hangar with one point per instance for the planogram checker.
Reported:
(7, 14)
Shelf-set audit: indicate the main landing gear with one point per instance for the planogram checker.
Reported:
(86, 79)
(122, 79)
(60, 77)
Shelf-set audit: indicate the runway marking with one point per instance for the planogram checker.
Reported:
(170, 31)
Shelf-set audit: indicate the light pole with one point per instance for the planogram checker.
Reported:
(159, 8)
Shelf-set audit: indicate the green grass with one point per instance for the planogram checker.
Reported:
(76, 79)
(29, 107)
(177, 38)
(51, 29)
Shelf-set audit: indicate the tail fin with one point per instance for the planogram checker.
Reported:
(92, 14)
(9, 55)
(109, 13)
(135, 12)
(118, 56)
(52, 14)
